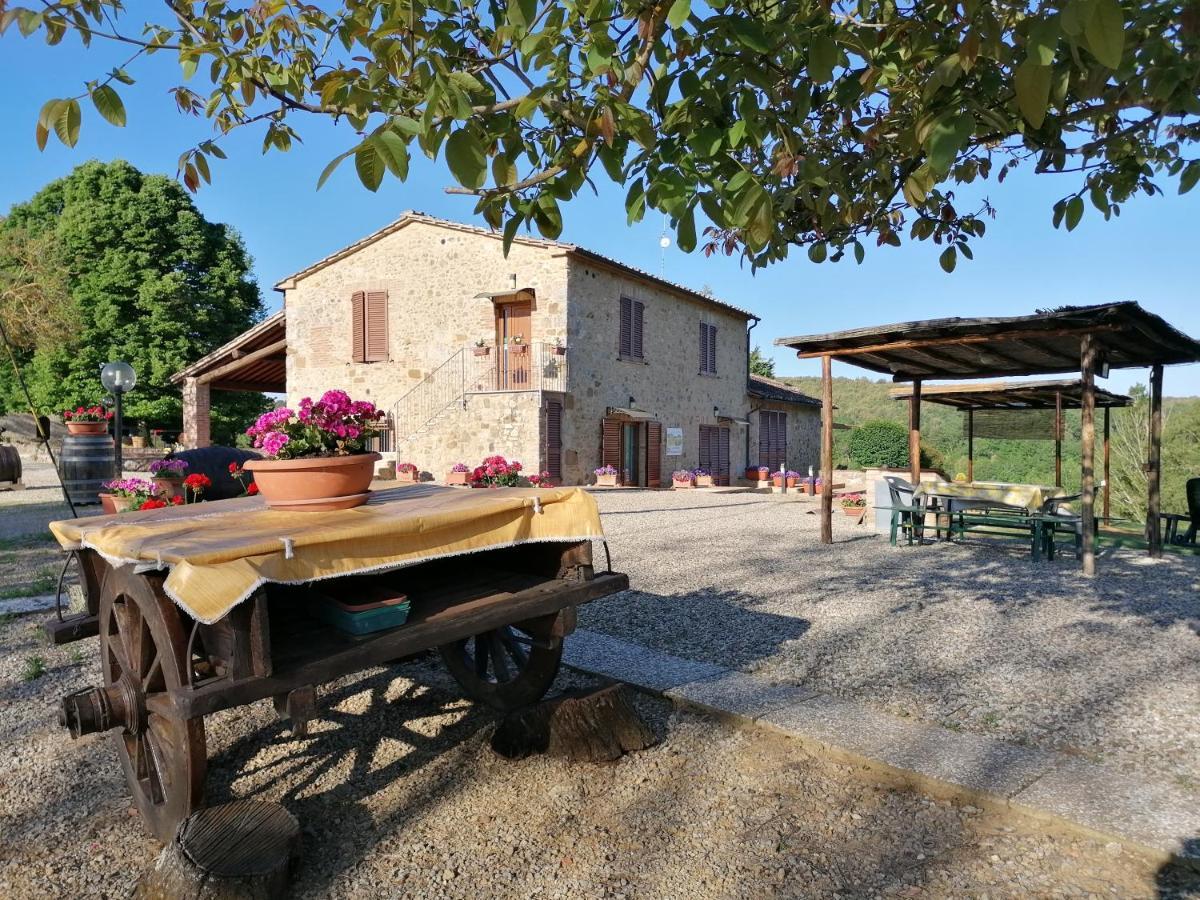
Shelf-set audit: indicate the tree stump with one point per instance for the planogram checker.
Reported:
(593, 726)
(237, 851)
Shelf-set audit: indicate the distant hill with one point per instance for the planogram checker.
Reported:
(860, 400)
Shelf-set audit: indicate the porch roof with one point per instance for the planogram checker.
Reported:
(255, 360)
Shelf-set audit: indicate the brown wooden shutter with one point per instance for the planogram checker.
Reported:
(703, 348)
(554, 439)
(781, 441)
(358, 327)
(721, 469)
(653, 454)
(610, 443)
(375, 342)
(625, 348)
(712, 349)
(704, 448)
(639, 315)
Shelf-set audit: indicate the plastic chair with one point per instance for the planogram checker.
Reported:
(907, 512)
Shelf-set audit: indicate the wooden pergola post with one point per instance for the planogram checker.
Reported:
(1107, 480)
(1058, 436)
(914, 432)
(971, 445)
(826, 450)
(1154, 464)
(1087, 480)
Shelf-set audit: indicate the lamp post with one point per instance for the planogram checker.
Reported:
(118, 379)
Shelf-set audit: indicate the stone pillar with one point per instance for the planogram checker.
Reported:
(197, 431)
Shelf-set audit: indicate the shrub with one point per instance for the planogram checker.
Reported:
(879, 444)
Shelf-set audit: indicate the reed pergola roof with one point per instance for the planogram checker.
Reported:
(1014, 395)
(1046, 343)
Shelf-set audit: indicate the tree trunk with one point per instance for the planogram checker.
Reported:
(238, 851)
(597, 726)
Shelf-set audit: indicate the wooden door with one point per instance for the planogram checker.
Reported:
(514, 335)
(631, 453)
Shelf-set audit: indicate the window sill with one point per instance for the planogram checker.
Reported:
(708, 374)
(633, 359)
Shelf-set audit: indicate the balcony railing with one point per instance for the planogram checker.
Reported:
(516, 367)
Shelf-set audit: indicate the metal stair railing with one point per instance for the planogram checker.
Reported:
(430, 397)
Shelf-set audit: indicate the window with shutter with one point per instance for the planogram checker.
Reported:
(554, 439)
(721, 454)
(632, 317)
(772, 439)
(375, 341)
(639, 314)
(610, 443)
(358, 326)
(653, 454)
(708, 349)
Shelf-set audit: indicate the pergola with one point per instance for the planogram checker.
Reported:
(1090, 340)
(1020, 396)
(255, 360)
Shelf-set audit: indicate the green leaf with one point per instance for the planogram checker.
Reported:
(188, 64)
(45, 123)
(1074, 212)
(1191, 174)
(1076, 15)
(1104, 33)
(333, 164)
(547, 217)
(860, 252)
(948, 260)
(822, 57)
(751, 34)
(108, 104)
(465, 156)
(761, 221)
(1043, 41)
(405, 125)
(946, 139)
(680, 10)
(685, 234)
(635, 202)
(66, 123)
(1032, 84)
(393, 151)
(369, 165)
(817, 252)
(467, 82)
(521, 12)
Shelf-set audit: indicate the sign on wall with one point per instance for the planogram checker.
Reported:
(674, 442)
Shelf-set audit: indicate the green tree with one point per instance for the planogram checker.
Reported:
(152, 282)
(791, 122)
(879, 443)
(761, 365)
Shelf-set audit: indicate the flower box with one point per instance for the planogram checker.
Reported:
(518, 349)
(758, 473)
(480, 351)
(558, 350)
(408, 475)
(683, 479)
(456, 477)
(606, 480)
(703, 481)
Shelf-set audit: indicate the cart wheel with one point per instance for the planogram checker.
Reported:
(143, 652)
(510, 667)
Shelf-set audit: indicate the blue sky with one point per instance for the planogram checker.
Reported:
(1148, 254)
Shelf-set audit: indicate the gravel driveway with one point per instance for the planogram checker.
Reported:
(972, 637)
(399, 796)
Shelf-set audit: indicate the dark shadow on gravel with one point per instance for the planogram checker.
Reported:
(1180, 879)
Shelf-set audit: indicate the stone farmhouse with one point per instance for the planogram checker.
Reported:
(554, 355)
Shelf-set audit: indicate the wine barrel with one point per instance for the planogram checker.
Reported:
(85, 462)
(10, 464)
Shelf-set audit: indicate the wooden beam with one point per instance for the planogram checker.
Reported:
(1058, 436)
(916, 343)
(261, 353)
(1154, 464)
(914, 433)
(1087, 452)
(971, 445)
(826, 450)
(1107, 477)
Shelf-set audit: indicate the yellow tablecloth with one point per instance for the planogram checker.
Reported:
(218, 553)
(1024, 496)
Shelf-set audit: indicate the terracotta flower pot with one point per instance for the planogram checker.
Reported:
(778, 482)
(791, 482)
(681, 485)
(408, 475)
(518, 349)
(87, 427)
(314, 484)
(853, 511)
(607, 480)
(480, 351)
(754, 474)
(704, 481)
(138, 442)
(458, 478)
(114, 503)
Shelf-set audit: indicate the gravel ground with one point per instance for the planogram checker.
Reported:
(973, 637)
(399, 796)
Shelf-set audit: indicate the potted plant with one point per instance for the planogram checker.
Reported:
(517, 345)
(459, 474)
(559, 349)
(496, 472)
(238, 474)
(138, 440)
(779, 479)
(854, 505)
(542, 480)
(703, 479)
(606, 476)
(124, 494)
(682, 479)
(791, 478)
(757, 473)
(317, 457)
(87, 420)
(811, 486)
(407, 471)
(168, 475)
(481, 348)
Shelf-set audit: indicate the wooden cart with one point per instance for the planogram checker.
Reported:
(498, 618)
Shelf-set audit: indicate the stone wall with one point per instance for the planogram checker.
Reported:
(803, 433)
(667, 384)
(432, 275)
(508, 423)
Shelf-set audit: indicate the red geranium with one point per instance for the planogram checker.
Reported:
(252, 489)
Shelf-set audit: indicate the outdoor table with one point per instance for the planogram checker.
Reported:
(210, 606)
(1026, 497)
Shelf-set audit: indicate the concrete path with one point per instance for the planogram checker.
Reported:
(1060, 790)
